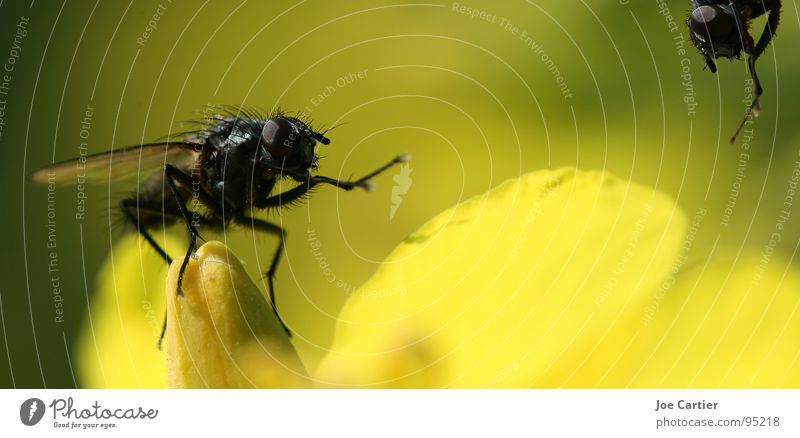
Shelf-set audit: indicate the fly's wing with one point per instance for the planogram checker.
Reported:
(117, 165)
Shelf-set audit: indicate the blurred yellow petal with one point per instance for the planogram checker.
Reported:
(117, 346)
(732, 323)
(557, 279)
(222, 333)
(504, 288)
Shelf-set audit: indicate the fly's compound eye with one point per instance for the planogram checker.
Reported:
(280, 137)
(711, 23)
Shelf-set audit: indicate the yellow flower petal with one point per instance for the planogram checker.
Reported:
(504, 288)
(117, 347)
(222, 333)
(732, 323)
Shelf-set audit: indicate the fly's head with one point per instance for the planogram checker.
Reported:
(713, 30)
(289, 143)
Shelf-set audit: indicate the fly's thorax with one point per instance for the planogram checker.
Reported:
(248, 155)
(227, 175)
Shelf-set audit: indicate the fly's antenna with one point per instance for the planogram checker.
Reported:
(320, 137)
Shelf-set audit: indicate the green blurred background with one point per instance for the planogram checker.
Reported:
(475, 99)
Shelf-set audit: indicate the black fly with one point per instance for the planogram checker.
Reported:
(214, 176)
(718, 28)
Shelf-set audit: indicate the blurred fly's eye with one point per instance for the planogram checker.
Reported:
(712, 22)
(279, 136)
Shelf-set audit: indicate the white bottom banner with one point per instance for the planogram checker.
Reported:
(400, 413)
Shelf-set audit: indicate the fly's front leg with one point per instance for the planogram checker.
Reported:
(774, 8)
(363, 182)
(755, 106)
(758, 90)
(747, 44)
(749, 49)
(310, 181)
(773, 20)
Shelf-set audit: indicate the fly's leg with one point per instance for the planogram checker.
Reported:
(310, 181)
(747, 44)
(269, 228)
(131, 208)
(291, 195)
(773, 20)
(755, 106)
(172, 175)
